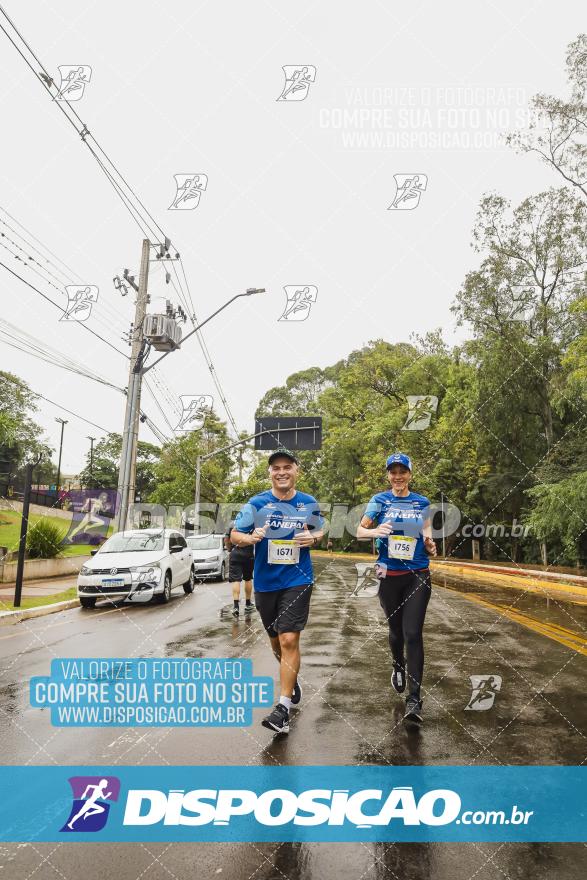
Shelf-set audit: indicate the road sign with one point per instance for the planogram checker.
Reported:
(293, 432)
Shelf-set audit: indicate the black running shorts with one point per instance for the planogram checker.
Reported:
(240, 566)
(284, 611)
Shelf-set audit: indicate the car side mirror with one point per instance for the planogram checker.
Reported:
(93, 552)
(175, 549)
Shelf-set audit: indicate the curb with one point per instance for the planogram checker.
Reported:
(512, 579)
(521, 572)
(10, 617)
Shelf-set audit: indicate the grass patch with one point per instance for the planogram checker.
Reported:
(38, 601)
(10, 521)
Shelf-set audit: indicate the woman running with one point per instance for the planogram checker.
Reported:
(400, 520)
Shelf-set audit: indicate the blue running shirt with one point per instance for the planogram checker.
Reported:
(406, 514)
(284, 519)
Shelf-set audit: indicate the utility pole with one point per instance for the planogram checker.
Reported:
(132, 415)
(63, 424)
(24, 525)
(91, 439)
(443, 525)
(126, 474)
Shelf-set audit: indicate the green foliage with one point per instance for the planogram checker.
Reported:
(557, 129)
(175, 472)
(559, 516)
(104, 473)
(19, 434)
(44, 539)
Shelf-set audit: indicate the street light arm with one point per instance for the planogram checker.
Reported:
(249, 292)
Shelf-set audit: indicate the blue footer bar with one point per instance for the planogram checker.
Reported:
(333, 803)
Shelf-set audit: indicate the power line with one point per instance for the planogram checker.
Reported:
(60, 406)
(166, 391)
(70, 276)
(60, 290)
(29, 257)
(204, 347)
(30, 350)
(159, 407)
(56, 357)
(144, 219)
(34, 237)
(40, 292)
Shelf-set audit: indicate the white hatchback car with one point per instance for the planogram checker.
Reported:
(137, 564)
(209, 556)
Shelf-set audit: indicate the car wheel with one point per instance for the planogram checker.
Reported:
(165, 596)
(87, 602)
(223, 572)
(188, 587)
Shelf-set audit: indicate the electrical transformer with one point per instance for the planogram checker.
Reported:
(162, 332)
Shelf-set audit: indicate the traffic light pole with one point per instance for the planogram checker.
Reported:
(126, 473)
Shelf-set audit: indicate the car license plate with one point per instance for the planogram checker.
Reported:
(112, 582)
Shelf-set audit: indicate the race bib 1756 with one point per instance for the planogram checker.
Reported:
(401, 547)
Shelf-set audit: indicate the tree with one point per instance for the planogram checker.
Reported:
(19, 435)
(106, 460)
(175, 472)
(518, 300)
(557, 133)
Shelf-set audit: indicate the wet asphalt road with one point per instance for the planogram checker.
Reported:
(349, 715)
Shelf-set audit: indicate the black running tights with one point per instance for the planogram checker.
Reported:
(404, 599)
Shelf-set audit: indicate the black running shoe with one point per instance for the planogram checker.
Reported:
(413, 710)
(398, 678)
(278, 720)
(235, 612)
(249, 608)
(296, 694)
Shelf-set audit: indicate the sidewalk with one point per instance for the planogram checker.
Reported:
(44, 587)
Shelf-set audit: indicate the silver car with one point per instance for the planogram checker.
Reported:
(209, 556)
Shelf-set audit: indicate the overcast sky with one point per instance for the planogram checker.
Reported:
(298, 190)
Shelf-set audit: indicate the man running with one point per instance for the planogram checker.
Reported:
(240, 568)
(400, 520)
(282, 525)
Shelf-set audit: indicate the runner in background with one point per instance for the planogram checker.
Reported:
(240, 568)
(400, 520)
(282, 525)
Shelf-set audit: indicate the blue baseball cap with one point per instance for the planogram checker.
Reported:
(399, 458)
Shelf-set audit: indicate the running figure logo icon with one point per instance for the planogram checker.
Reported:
(409, 189)
(369, 576)
(80, 298)
(299, 302)
(189, 188)
(484, 690)
(74, 79)
(195, 409)
(298, 80)
(522, 299)
(421, 408)
(90, 807)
